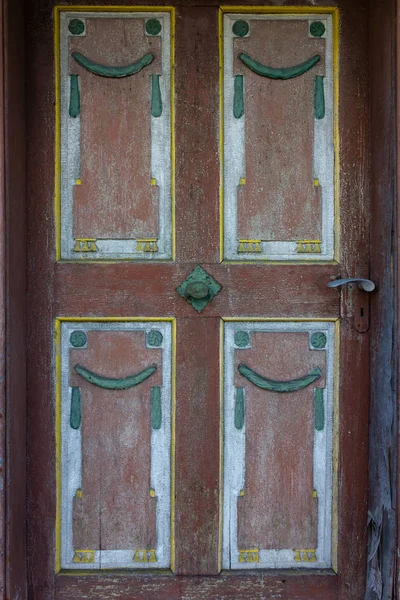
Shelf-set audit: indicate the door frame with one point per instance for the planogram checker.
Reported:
(384, 71)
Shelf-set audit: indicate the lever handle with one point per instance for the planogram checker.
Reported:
(364, 284)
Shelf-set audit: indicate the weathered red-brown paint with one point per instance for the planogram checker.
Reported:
(197, 163)
(248, 586)
(13, 583)
(115, 199)
(354, 351)
(115, 511)
(278, 510)
(279, 200)
(198, 243)
(3, 319)
(197, 446)
(292, 291)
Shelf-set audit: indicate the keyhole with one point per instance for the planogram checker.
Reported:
(361, 311)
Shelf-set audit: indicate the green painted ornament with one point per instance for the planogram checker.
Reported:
(318, 340)
(155, 407)
(78, 339)
(319, 410)
(317, 29)
(75, 419)
(199, 288)
(239, 408)
(240, 28)
(76, 27)
(154, 338)
(242, 339)
(153, 26)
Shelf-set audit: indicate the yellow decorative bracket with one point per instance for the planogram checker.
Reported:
(249, 556)
(85, 245)
(305, 555)
(78, 493)
(147, 245)
(308, 247)
(145, 556)
(83, 556)
(249, 246)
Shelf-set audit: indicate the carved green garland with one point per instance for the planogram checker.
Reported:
(319, 411)
(156, 101)
(272, 385)
(74, 97)
(109, 383)
(319, 97)
(115, 72)
(155, 407)
(239, 408)
(75, 418)
(238, 98)
(279, 72)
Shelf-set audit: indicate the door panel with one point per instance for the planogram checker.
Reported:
(180, 509)
(278, 431)
(114, 444)
(279, 124)
(114, 107)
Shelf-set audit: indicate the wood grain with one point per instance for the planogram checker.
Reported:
(354, 352)
(383, 454)
(197, 447)
(197, 122)
(250, 586)
(15, 291)
(149, 290)
(3, 318)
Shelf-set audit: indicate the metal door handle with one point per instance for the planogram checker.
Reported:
(364, 284)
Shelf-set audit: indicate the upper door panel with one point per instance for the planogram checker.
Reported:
(115, 117)
(279, 123)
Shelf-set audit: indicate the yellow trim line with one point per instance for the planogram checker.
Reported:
(58, 433)
(286, 10)
(57, 46)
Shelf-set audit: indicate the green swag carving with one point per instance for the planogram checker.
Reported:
(271, 385)
(75, 419)
(319, 413)
(108, 383)
(281, 72)
(239, 408)
(116, 72)
(238, 99)
(155, 407)
(156, 101)
(319, 97)
(74, 97)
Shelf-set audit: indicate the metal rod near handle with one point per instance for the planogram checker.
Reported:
(364, 284)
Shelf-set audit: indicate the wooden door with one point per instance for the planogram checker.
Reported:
(198, 398)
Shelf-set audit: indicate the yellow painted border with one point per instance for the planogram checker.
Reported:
(58, 433)
(57, 341)
(335, 432)
(57, 172)
(221, 134)
(335, 448)
(294, 10)
(221, 439)
(57, 185)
